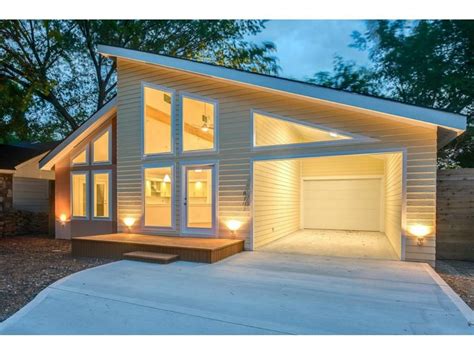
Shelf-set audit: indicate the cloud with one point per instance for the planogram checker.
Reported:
(308, 46)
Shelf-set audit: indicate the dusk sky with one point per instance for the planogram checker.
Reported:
(307, 46)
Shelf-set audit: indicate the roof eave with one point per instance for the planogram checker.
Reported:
(54, 155)
(448, 120)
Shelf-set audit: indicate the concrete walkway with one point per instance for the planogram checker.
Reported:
(325, 242)
(249, 293)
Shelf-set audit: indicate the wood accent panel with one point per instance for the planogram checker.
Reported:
(113, 246)
(235, 152)
(455, 214)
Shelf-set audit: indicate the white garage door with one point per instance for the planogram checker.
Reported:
(351, 204)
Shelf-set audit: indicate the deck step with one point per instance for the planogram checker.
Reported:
(147, 256)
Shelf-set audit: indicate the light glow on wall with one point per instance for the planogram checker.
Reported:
(233, 225)
(129, 221)
(420, 231)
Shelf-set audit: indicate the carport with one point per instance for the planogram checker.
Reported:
(341, 205)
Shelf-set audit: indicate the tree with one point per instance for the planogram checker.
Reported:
(57, 63)
(427, 63)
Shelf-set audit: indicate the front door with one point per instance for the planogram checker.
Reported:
(199, 199)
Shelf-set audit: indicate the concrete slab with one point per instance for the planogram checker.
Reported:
(249, 293)
(341, 243)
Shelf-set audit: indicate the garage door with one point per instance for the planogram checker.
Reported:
(350, 204)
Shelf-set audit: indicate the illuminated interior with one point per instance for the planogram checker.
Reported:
(101, 148)
(271, 131)
(80, 158)
(101, 195)
(158, 196)
(199, 197)
(157, 125)
(198, 125)
(79, 195)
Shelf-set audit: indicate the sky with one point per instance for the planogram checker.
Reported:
(305, 47)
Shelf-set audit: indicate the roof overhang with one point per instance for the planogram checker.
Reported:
(78, 135)
(430, 116)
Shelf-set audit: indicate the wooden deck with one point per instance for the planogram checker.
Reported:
(204, 250)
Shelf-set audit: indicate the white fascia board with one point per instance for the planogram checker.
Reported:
(78, 135)
(412, 112)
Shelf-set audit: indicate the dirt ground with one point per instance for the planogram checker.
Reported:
(30, 264)
(460, 276)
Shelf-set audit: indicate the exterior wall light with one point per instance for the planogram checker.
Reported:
(233, 225)
(63, 219)
(129, 222)
(420, 231)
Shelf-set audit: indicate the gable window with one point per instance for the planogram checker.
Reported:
(79, 196)
(199, 124)
(270, 130)
(158, 196)
(158, 120)
(101, 194)
(101, 148)
(80, 158)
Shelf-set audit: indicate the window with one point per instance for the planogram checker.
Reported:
(79, 194)
(80, 158)
(199, 124)
(158, 196)
(273, 131)
(101, 193)
(101, 148)
(157, 126)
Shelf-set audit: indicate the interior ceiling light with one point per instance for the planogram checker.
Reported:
(333, 134)
(167, 178)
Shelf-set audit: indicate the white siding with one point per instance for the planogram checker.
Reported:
(393, 200)
(235, 153)
(276, 200)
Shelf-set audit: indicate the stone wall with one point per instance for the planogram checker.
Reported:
(14, 222)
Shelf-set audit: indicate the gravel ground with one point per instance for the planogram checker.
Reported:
(30, 264)
(460, 276)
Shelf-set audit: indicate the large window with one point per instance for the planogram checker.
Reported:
(79, 194)
(157, 115)
(158, 196)
(101, 148)
(199, 124)
(270, 130)
(101, 194)
(80, 158)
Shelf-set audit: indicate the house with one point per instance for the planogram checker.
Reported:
(26, 192)
(194, 149)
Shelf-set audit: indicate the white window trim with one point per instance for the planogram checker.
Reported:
(214, 102)
(92, 188)
(86, 149)
(200, 232)
(172, 123)
(355, 138)
(71, 195)
(109, 143)
(164, 164)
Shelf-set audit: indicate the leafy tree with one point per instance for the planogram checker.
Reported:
(428, 63)
(64, 79)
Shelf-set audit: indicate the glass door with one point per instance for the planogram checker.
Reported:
(199, 199)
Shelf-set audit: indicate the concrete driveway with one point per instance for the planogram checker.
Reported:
(249, 293)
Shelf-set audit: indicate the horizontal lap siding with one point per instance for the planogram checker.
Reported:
(235, 103)
(276, 196)
(393, 200)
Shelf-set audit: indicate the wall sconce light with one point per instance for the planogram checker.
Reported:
(233, 225)
(63, 219)
(420, 232)
(129, 221)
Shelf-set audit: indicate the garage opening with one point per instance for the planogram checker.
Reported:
(348, 206)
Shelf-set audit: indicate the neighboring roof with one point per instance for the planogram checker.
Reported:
(391, 107)
(12, 155)
(79, 134)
